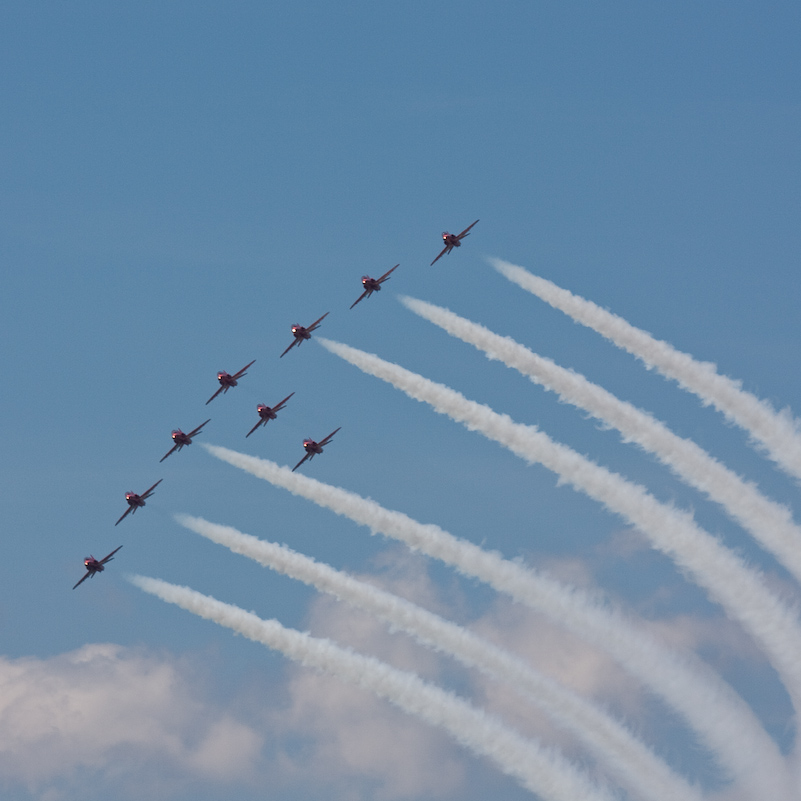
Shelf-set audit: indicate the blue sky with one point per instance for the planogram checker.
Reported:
(181, 182)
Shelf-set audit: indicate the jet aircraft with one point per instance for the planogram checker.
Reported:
(372, 285)
(135, 501)
(267, 413)
(227, 381)
(95, 565)
(312, 448)
(300, 333)
(180, 439)
(452, 241)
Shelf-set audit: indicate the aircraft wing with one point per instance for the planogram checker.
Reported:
(110, 556)
(386, 274)
(214, 396)
(317, 322)
(255, 427)
(279, 406)
(324, 441)
(308, 455)
(85, 576)
(147, 493)
(126, 512)
(294, 342)
(170, 451)
(197, 430)
(242, 371)
(464, 233)
(444, 250)
(366, 292)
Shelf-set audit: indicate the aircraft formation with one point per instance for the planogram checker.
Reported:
(265, 413)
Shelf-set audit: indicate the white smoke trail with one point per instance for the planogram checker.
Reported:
(770, 523)
(777, 432)
(542, 771)
(629, 759)
(725, 724)
(737, 588)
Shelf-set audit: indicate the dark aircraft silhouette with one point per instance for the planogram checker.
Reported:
(135, 501)
(452, 241)
(227, 381)
(372, 285)
(313, 448)
(300, 333)
(95, 565)
(266, 413)
(180, 439)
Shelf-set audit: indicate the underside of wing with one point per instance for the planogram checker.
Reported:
(442, 253)
(317, 322)
(464, 233)
(85, 576)
(386, 274)
(364, 294)
(280, 406)
(242, 371)
(294, 342)
(301, 462)
(214, 396)
(197, 430)
(147, 493)
(110, 556)
(324, 441)
(255, 427)
(169, 452)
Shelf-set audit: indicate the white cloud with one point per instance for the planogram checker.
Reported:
(359, 746)
(556, 653)
(111, 721)
(105, 712)
(356, 744)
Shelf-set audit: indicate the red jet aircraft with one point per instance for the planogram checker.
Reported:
(180, 439)
(372, 285)
(313, 448)
(300, 333)
(452, 241)
(266, 413)
(135, 501)
(95, 565)
(227, 381)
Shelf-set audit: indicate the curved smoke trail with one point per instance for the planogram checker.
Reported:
(628, 758)
(725, 724)
(543, 771)
(739, 589)
(778, 433)
(769, 522)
